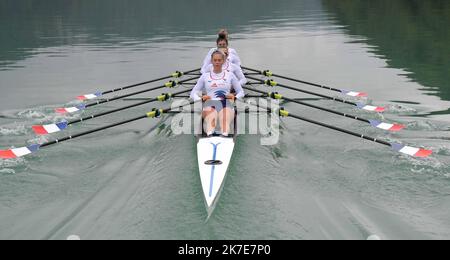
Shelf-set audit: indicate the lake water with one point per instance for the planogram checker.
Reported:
(140, 181)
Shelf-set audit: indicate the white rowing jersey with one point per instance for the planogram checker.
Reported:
(217, 86)
(232, 57)
(233, 68)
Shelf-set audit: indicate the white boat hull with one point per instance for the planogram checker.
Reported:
(214, 156)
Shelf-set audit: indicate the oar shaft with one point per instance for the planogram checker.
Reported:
(254, 70)
(102, 128)
(307, 83)
(255, 96)
(332, 127)
(328, 110)
(314, 106)
(123, 108)
(145, 82)
(136, 93)
(296, 80)
(91, 131)
(308, 92)
(340, 130)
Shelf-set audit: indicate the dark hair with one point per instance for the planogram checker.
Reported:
(223, 33)
(221, 38)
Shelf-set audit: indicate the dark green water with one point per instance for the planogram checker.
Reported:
(411, 35)
(140, 181)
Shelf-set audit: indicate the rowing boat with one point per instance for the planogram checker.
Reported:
(214, 156)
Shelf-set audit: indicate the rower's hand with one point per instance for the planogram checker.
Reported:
(231, 97)
(206, 98)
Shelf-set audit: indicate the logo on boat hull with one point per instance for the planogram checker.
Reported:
(213, 162)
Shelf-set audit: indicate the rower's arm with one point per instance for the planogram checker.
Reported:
(198, 88)
(207, 61)
(240, 76)
(205, 67)
(238, 88)
(237, 60)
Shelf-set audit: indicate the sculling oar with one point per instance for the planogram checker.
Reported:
(412, 151)
(23, 151)
(269, 74)
(176, 74)
(408, 150)
(272, 83)
(170, 84)
(374, 123)
(53, 128)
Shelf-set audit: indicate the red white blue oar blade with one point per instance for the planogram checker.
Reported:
(18, 152)
(49, 129)
(89, 96)
(386, 126)
(371, 108)
(412, 151)
(353, 93)
(66, 110)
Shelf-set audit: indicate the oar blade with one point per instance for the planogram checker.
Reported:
(353, 93)
(49, 129)
(371, 108)
(65, 110)
(387, 126)
(18, 152)
(7, 154)
(89, 96)
(411, 151)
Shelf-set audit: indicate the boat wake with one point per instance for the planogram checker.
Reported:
(11, 166)
(17, 130)
(24, 118)
(401, 109)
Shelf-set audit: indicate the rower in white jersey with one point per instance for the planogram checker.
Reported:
(222, 42)
(218, 98)
(230, 67)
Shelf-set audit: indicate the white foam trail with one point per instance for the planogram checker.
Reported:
(31, 114)
(373, 237)
(16, 131)
(11, 163)
(7, 171)
(73, 237)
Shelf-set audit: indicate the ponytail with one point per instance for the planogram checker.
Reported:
(221, 38)
(223, 33)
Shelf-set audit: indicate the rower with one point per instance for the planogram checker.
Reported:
(230, 67)
(218, 101)
(222, 42)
